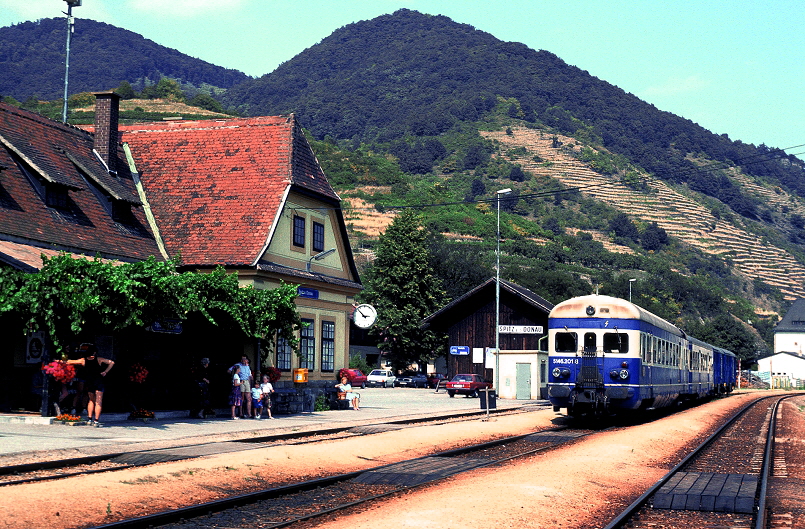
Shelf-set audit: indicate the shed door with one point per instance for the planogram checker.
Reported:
(523, 381)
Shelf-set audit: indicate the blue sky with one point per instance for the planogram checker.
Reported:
(734, 67)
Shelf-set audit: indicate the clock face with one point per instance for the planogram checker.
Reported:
(364, 316)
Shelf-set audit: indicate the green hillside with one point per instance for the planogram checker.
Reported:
(32, 56)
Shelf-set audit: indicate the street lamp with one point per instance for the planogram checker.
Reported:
(630, 288)
(497, 293)
(319, 257)
(69, 13)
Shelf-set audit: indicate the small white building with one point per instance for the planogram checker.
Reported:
(789, 334)
(785, 369)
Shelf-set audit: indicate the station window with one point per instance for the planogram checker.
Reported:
(284, 352)
(566, 342)
(299, 231)
(328, 346)
(318, 237)
(307, 345)
(615, 342)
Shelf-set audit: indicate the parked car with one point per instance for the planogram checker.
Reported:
(355, 376)
(381, 377)
(467, 384)
(413, 380)
(434, 379)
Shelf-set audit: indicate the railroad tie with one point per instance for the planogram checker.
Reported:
(707, 491)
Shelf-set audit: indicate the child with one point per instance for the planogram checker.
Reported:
(257, 401)
(268, 389)
(236, 396)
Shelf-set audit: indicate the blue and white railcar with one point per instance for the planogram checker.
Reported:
(607, 355)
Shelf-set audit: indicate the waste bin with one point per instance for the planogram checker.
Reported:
(300, 375)
(490, 397)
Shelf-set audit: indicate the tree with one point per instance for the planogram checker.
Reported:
(402, 286)
(207, 102)
(623, 227)
(653, 237)
(125, 91)
(69, 296)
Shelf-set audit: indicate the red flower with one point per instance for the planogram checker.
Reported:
(138, 373)
(60, 370)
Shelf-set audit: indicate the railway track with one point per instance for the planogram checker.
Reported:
(721, 484)
(116, 461)
(285, 505)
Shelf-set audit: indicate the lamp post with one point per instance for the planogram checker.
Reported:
(319, 257)
(497, 293)
(630, 288)
(69, 13)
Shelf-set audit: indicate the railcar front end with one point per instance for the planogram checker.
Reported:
(594, 355)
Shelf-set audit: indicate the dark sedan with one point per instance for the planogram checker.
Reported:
(413, 380)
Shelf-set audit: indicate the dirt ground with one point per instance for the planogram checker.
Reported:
(569, 487)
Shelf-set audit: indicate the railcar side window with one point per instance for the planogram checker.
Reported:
(616, 342)
(565, 342)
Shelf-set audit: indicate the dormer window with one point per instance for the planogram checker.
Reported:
(56, 196)
(52, 194)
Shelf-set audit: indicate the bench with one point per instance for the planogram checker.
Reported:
(338, 401)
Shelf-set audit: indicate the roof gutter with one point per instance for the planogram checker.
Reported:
(149, 214)
(274, 224)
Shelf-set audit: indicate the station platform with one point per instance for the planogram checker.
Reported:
(28, 437)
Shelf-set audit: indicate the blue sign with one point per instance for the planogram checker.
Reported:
(167, 326)
(310, 293)
(460, 350)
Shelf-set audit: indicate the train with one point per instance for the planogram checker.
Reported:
(608, 356)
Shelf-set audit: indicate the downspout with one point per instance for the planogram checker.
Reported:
(149, 215)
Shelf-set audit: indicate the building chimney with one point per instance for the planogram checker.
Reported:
(107, 105)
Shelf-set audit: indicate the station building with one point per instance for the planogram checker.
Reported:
(247, 194)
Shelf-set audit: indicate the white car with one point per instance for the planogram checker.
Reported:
(381, 377)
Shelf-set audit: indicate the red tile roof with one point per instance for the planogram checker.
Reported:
(217, 187)
(63, 156)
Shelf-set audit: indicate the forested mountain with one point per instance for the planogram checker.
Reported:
(411, 74)
(32, 58)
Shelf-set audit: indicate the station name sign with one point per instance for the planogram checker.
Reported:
(520, 329)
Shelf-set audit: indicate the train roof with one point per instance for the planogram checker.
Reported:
(612, 308)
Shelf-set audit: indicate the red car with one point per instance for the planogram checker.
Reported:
(355, 376)
(467, 385)
(436, 379)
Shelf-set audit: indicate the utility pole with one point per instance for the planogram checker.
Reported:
(70, 22)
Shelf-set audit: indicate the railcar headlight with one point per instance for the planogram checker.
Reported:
(624, 374)
(560, 372)
(614, 374)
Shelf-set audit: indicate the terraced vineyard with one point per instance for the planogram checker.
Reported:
(680, 216)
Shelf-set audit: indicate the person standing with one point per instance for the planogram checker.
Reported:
(95, 370)
(268, 389)
(245, 383)
(236, 395)
(201, 376)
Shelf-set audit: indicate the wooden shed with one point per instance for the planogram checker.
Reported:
(469, 322)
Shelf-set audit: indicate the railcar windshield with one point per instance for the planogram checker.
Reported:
(566, 342)
(615, 342)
